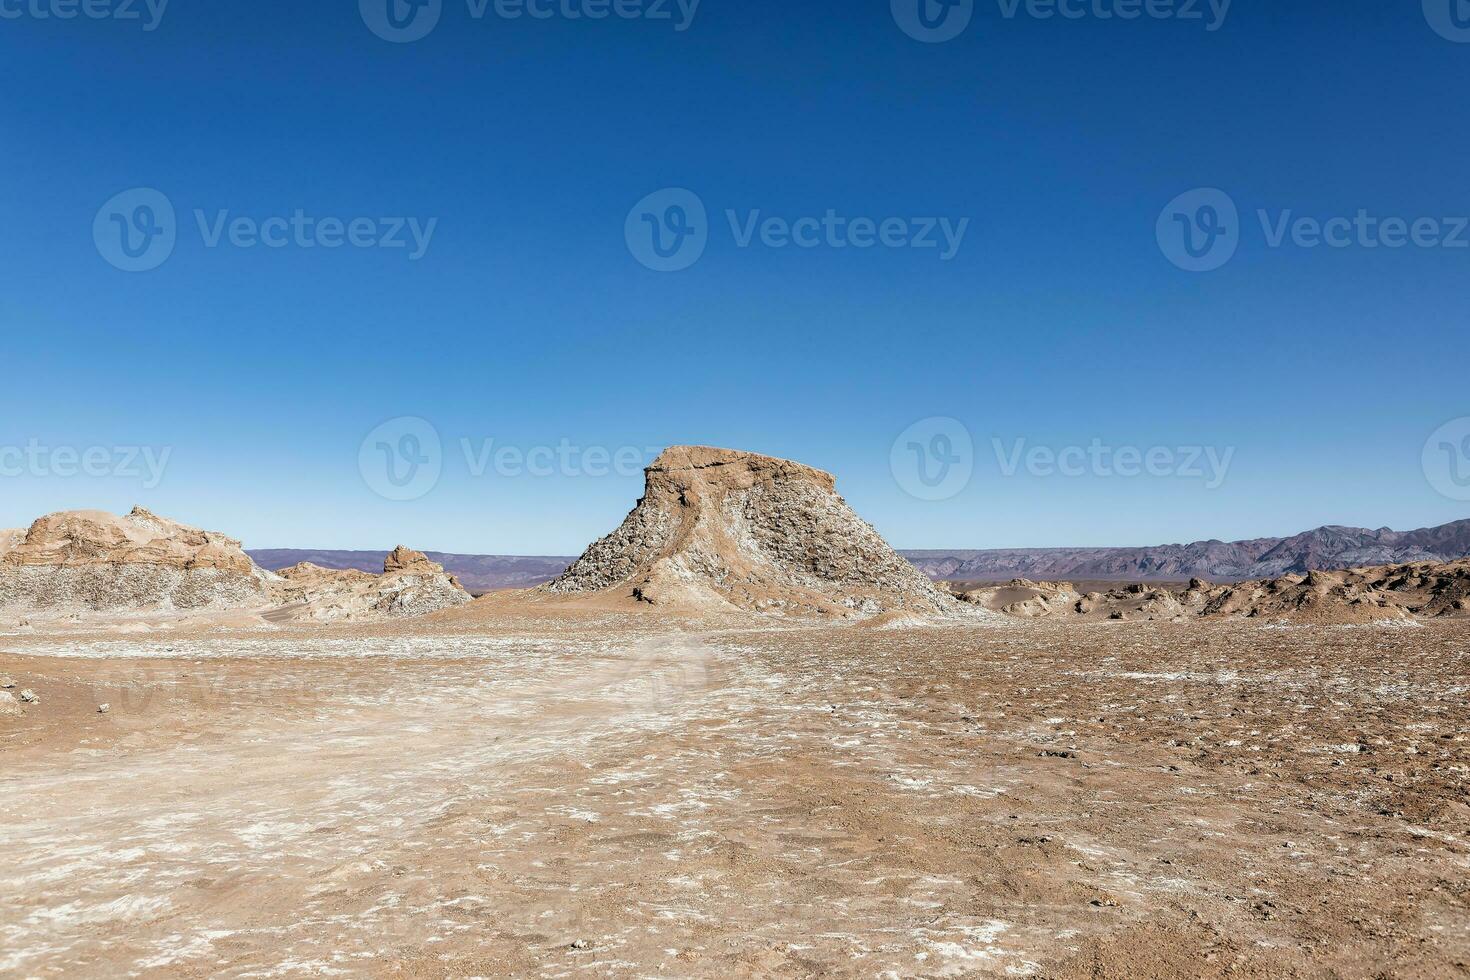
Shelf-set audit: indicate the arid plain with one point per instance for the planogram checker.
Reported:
(738, 737)
(600, 795)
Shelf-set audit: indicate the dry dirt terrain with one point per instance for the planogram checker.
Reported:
(569, 793)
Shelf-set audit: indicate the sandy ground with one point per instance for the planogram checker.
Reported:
(607, 795)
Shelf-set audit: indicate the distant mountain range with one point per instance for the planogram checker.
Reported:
(1322, 549)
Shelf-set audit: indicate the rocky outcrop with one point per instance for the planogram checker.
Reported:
(1418, 590)
(478, 573)
(1429, 590)
(411, 585)
(91, 560)
(718, 527)
(404, 559)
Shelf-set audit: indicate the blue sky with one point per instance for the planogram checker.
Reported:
(528, 319)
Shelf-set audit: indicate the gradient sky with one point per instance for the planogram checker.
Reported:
(529, 321)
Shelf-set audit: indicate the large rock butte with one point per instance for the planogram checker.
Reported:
(718, 526)
(92, 560)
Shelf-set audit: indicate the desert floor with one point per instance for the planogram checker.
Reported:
(612, 795)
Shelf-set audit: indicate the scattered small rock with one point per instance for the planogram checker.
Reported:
(29, 697)
(102, 709)
(7, 683)
(8, 705)
(1056, 754)
(581, 944)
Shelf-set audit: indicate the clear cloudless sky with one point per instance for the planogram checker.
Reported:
(529, 321)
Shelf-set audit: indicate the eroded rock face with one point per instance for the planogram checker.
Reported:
(404, 559)
(1419, 590)
(718, 526)
(411, 585)
(92, 560)
(1427, 590)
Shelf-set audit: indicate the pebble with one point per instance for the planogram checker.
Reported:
(102, 709)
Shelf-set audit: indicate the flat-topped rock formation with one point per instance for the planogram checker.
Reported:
(92, 560)
(718, 527)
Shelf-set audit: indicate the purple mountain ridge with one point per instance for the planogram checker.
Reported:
(1323, 549)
